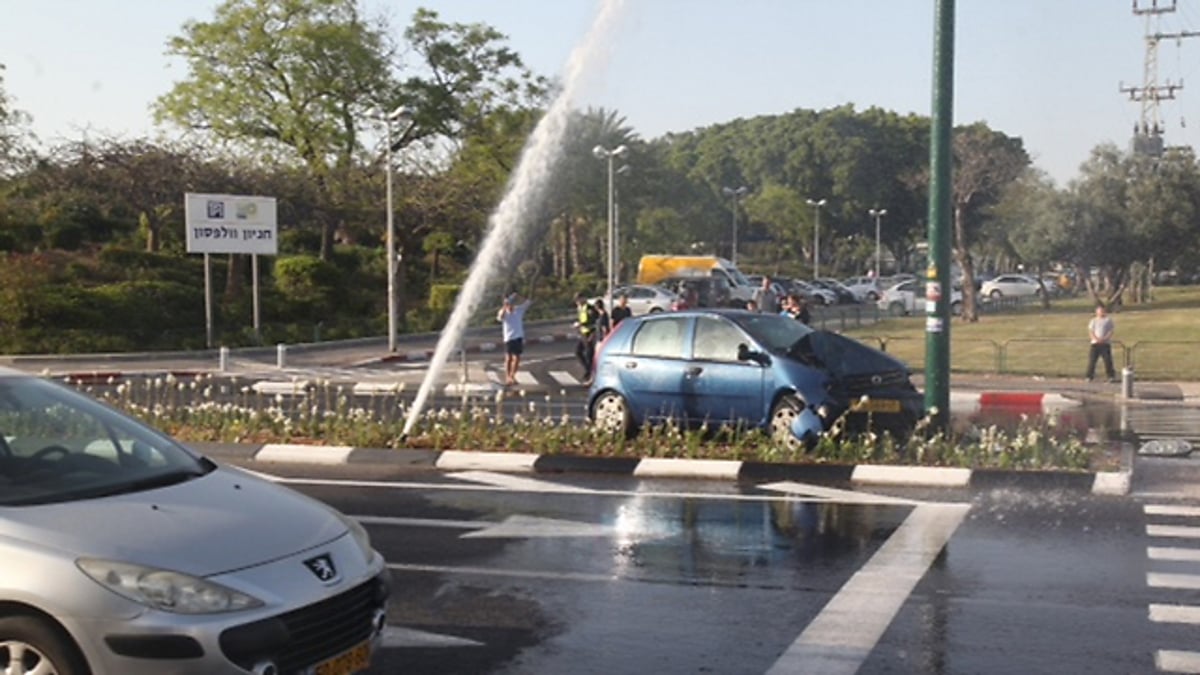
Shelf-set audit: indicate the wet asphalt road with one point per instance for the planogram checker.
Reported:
(588, 574)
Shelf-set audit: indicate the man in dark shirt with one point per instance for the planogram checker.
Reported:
(621, 311)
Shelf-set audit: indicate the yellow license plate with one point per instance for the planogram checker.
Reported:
(879, 405)
(356, 660)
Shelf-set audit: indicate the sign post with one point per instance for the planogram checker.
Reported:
(229, 224)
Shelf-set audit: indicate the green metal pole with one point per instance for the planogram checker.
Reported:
(937, 274)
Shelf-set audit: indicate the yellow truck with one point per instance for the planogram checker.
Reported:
(654, 268)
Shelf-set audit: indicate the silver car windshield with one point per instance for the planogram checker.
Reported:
(774, 332)
(58, 445)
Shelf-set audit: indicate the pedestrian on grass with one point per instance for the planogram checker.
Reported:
(1100, 332)
(512, 318)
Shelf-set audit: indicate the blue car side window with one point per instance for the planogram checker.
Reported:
(661, 337)
(716, 340)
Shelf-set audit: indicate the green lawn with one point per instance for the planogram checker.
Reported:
(1161, 339)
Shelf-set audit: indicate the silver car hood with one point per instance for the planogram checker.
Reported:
(222, 521)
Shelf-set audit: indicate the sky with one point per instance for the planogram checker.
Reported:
(1047, 71)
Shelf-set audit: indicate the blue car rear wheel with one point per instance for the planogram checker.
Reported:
(610, 413)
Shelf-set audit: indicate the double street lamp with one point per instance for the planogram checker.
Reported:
(816, 204)
(400, 114)
(735, 194)
(604, 153)
(877, 214)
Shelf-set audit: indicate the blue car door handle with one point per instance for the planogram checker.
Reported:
(631, 364)
(694, 371)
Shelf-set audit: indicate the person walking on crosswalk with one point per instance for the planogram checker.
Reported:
(512, 318)
(586, 323)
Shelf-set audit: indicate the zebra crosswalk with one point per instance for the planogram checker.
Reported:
(1177, 548)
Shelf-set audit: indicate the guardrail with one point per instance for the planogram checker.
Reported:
(1062, 357)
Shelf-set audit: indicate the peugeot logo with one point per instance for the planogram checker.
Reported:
(322, 567)
(876, 380)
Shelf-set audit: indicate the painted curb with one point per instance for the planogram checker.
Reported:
(1100, 483)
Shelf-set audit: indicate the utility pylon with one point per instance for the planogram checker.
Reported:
(1147, 135)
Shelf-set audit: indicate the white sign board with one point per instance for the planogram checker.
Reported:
(230, 224)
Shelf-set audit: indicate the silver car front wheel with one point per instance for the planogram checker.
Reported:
(29, 646)
(610, 413)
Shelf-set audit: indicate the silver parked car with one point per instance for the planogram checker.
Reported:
(123, 552)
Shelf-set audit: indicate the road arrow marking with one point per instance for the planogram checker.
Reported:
(526, 527)
(398, 637)
(513, 527)
(826, 494)
(517, 483)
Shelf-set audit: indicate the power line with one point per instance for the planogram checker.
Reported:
(1147, 135)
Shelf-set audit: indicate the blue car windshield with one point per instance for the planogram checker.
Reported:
(774, 332)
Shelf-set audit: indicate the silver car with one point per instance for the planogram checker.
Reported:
(123, 552)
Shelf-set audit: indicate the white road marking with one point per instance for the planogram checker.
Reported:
(492, 572)
(526, 379)
(527, 527)
(1189, 582)
(818, 492)
(1178, 531)
(1171, 510)
(544, 487)
(513, 527)
(1173, 553)
(1170, 661)
(378, 387)
(517, 483)
(849, 627)
(401, 637)
(564, 378)
(1175, 614)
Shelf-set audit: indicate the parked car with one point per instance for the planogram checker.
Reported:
(866, 288)
(707, 291)
(1010, 286)
(908, 297)
(814, 294)
(746, 369)
(122, 551)
(642, 299)
(844, 295)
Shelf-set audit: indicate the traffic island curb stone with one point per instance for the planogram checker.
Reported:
(1097, 482)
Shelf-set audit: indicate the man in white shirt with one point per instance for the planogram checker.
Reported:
(1100, 332)
(512, 318)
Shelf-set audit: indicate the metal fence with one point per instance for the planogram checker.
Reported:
(1055, 357)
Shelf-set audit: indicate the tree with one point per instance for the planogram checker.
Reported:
(469, 76)
(1030, 215)
(782, 212)
(298, 76)
(985, 163)
(12, 130)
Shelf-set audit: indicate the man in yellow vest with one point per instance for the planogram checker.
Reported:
(585, 322)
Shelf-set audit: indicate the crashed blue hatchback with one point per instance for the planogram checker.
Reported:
(744, 369)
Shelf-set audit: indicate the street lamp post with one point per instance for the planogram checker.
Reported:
(816, 204)
(604, 153)
(877, 214)
(399, 114)
(735, 195)
(621, 171)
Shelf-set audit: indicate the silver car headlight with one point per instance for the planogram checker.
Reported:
(360, 537)
(166, 590)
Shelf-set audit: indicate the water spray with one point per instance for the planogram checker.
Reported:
(526, 191)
